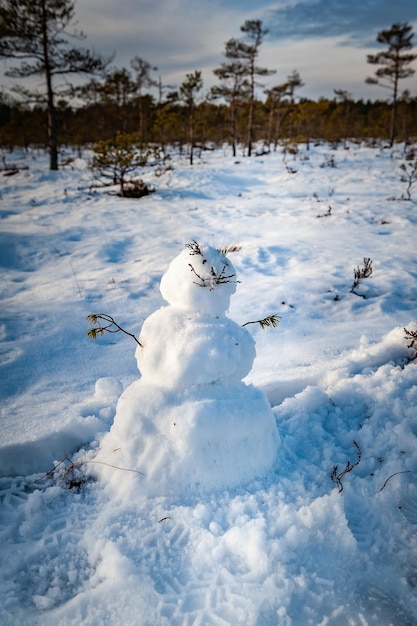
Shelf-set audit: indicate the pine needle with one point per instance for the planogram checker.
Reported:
(229, 249)
(194, 248)
(271, 321)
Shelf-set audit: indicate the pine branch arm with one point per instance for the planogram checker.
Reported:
(271, 321)
(93, 332)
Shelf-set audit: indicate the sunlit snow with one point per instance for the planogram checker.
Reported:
(185, 481)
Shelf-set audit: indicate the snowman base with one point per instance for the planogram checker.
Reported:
(199, 438)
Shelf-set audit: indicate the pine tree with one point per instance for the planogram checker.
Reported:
(188, 90)
(275, 97)
(34, 32)
(143, 79)
(115, 93)
(279, 96)
(394, 64)
(345, 98)
(248, 53)
(234, 88)
(115, 159)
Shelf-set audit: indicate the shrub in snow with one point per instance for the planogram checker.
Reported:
(411, 336)
(116, 160)
(360, 273)
(190, 422)
(409, 176)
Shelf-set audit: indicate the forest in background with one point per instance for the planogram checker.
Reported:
(166, 123)
(238, 110)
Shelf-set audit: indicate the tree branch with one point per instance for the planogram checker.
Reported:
(271, 321)
(94, 332)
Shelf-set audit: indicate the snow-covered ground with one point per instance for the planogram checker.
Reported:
(293, 547)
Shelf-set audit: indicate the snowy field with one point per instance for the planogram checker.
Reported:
(325, 536)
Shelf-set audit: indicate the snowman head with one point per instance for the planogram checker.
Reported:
(200, 280)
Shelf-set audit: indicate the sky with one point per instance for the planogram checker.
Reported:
(326, 41)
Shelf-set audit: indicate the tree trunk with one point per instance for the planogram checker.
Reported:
(141, 120)
(52, 132)
(52, 127)
(270, 124)
(191, 134)
(233, 128)
(393, 115)
(251, 105)
(394, 100)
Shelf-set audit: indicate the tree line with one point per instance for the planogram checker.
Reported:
(236, 111)
(330, 120)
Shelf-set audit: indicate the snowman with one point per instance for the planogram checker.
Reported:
(190, 423)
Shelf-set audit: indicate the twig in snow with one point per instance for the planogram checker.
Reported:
(337, 477)
(411, 335)
(409, 176)
(68, 470)
(327, 214)
(76, 281)
(392, 475)
(213, 279)
(360, 274)
(194, 248)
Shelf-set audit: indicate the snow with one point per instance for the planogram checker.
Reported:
(205, 267)
(198, 438)
(183, 349)
(190, 423)
(209, 535)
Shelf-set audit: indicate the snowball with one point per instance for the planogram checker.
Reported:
(199, 279)
(107, 388)
(203, 437)
(180, 348)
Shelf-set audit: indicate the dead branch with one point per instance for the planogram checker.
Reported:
(392, 475)
(214, 279)
(337, 477)
(68, 470)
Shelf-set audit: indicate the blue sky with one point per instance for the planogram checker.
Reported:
(326, 41)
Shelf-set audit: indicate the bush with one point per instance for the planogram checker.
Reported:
(115, 160)
(409, 176)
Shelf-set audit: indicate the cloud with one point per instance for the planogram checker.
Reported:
(177, 36)
(358, 21)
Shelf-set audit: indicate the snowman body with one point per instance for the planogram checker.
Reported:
(190, 422)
